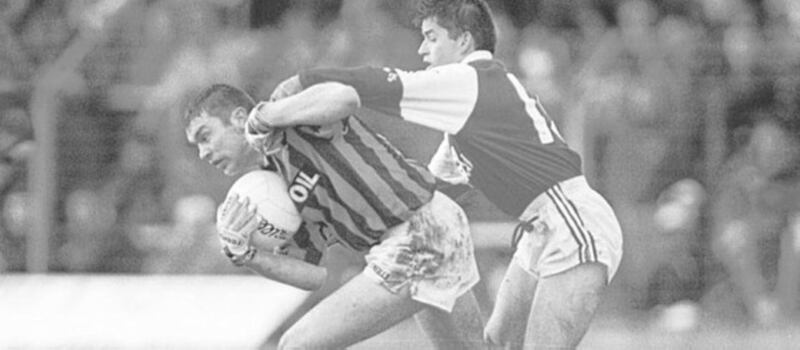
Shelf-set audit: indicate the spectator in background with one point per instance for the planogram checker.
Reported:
(15, 64)
(194, 232)
(46, 32)
(88, 222)
(16, 146)
(675, 281)
(755, 213)
(187, 244)
(134, 192)
(630, 117)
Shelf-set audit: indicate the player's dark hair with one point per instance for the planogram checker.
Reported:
(217, 100)
(458, 16)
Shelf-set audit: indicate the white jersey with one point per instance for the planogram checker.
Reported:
(499, 138)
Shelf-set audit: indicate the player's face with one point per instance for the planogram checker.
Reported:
(220, 144)
(437, 48)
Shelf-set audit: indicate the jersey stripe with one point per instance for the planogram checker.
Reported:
(367, 143)
(349, 182)
(302, 238)
(415, 171)
(362, 185)
(342, 230)
(531, 106)
(344, 219)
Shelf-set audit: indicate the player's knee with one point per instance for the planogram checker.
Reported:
(584, 290)
(580, 308)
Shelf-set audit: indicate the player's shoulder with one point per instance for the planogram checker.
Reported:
(452, 69)
(487, 64)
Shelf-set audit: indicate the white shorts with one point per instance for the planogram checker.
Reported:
(432, 253)
(570, 224)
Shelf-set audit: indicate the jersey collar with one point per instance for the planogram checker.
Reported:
(477, 55)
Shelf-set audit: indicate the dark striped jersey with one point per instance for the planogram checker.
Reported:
(503, 140)
(349, 184)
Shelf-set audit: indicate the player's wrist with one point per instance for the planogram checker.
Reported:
(257, 121)
(242, 258)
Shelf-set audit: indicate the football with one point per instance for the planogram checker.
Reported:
(278, 217)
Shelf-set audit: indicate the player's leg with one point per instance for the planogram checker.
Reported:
(359, 310)
(564, 306)
(427, 262)
(446, 269)
(580, 253)
(507, 324)
(460, 329)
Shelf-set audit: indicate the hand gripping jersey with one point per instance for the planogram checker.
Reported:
(503, 140)
(349, 185)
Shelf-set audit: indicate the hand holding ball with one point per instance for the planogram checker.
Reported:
(275, 217)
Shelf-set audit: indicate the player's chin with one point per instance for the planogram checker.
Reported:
(231, 170)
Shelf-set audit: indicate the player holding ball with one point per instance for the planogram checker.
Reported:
(271, 221)
(351, 187)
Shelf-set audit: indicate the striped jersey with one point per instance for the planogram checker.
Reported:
(349, 184)
(502, 140)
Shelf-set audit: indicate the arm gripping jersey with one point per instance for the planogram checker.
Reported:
(507, 142)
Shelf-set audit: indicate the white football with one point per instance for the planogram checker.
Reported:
(267, 191)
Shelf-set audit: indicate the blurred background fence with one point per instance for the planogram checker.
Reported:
(685, 113)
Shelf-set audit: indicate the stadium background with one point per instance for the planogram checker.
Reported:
(103, 198)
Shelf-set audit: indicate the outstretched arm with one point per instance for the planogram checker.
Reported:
(320, 104)
(441, 98)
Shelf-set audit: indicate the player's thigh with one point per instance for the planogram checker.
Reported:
(358, 310)
(564, 306)
(506, 325)
(460, 329)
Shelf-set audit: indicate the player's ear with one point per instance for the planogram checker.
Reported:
(239, 117)
(466, 42)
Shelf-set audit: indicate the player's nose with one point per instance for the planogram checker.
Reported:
(423, 49)
(203, 152)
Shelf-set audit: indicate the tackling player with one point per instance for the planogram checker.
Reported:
(502, 142)
(352, 188)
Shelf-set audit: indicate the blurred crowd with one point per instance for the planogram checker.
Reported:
(686, 113)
